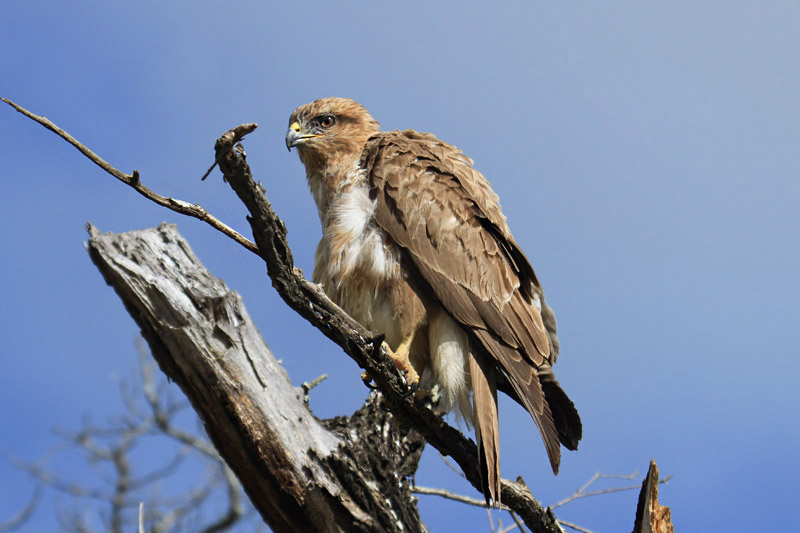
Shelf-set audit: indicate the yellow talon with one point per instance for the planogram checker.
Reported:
(367, 379)
(401, 361)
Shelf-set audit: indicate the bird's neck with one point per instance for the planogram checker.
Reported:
(327, 182)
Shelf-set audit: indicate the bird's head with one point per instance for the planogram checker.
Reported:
(328, 129)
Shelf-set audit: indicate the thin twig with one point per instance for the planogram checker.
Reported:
(194, 501)
(134, 181)
(60, 485)
(141, 517)
(581, 492)
(236, 508)
(119, 455)
(163, 472)
(161, 418)
(517, 521)
(446, 460)
(491, 520)
(452, 496)
(212, 167)
(306, 386)
(71, 520)
(25, 513)
(575, 526)
(470, 501)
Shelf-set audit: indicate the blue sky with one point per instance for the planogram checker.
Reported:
(646, 156)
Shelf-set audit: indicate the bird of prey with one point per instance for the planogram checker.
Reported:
(415, 246)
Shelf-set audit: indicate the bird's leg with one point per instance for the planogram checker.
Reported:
(401, 361)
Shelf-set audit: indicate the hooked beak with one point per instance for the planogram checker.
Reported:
(295, 136)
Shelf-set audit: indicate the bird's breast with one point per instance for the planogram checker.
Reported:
(356, 263)
(356, 245)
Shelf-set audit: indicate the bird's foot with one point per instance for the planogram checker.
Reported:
(367, 379)
(403, 364)
(412, 388)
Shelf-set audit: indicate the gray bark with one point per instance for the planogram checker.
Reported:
(301, 474)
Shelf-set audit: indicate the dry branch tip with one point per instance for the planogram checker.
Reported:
(133, 180)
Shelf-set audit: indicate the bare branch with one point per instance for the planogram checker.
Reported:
(71, 520)
(517, 521)
(581, 492)
(161, 473)
(574, 526)
(49, 479)
(489, 518)
(162, 416)
(512, 527)
(307, 386)
(235, 506)
(141, 517)
(194, 501)
(134, 181)
(25, 513)
(119, 458)
(418, 489)
(110, 446)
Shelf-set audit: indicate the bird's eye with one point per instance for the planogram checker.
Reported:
(326, 121)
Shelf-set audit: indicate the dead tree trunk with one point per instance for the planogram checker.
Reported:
(302, 475)
(651, 516)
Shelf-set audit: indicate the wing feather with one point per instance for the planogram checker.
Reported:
(445, 215)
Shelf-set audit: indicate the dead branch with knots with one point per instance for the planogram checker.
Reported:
(300, 473)
(349, 474)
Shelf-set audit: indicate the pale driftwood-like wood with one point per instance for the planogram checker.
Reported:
(302, 475)
(651, 516)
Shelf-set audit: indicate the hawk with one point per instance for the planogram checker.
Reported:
(414, 245)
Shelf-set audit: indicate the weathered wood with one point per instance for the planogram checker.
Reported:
(302, 475)
(652, 517)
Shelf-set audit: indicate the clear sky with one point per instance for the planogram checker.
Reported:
(647, 156)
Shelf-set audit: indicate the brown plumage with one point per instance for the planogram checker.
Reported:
(415, 245)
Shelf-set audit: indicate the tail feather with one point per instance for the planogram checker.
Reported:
(487, 430)
(565, 416)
